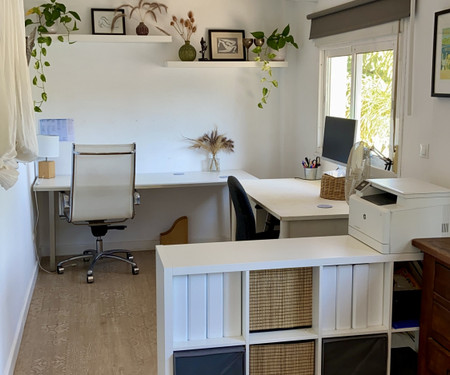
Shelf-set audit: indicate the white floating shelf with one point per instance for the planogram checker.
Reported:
(223, 64)
(94, 38)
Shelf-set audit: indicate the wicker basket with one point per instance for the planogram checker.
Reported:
(332, 187)
(289, 358)
(280, 299)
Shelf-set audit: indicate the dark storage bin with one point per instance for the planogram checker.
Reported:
(356, 355)
(403, 361)
(216, 361)
(406, 308)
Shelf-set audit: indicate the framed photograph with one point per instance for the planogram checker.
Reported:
(440, 83)
(226, 45)
(102, 20)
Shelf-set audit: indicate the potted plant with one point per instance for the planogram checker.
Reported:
(185, 27)
(213, 142)
(141, 11)
(275, 43)
(45, 17)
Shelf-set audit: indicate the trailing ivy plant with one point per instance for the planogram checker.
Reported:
(275, 41)
(44, 17)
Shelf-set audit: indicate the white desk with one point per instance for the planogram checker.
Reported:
(143, 181)
(296, 203)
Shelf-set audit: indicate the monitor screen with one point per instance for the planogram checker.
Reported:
(338, 139)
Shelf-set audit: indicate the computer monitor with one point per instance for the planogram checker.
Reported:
(338, 139)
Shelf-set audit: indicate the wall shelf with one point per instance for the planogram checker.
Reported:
(88, 38)
(223, 64)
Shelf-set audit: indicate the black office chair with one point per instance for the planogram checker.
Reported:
(245, 220)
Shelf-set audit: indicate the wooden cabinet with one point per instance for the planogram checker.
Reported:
(434, 343)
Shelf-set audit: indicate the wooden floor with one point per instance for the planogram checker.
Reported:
(104, 328)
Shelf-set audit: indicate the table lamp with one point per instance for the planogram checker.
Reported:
(48, 148)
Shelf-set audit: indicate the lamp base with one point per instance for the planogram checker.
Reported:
(47, 169)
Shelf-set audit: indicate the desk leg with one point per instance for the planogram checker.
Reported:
(284, 229)
(52, 229)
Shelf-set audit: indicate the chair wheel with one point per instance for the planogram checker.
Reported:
(135, 270)
(90, 279)
(59, 270)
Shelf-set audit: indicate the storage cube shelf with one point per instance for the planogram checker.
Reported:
(207, 295)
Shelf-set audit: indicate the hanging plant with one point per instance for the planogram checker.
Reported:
(44, 17)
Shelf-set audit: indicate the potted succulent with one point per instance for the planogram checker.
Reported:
(141, 11)
(276, 44)
(213, 142)
(45, 17)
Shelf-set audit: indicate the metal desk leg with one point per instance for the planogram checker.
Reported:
(52, 229)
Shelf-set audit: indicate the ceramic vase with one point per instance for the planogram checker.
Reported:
(280, 55)
(187, 52)
(142, 29)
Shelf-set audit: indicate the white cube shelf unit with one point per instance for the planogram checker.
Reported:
(203, 293)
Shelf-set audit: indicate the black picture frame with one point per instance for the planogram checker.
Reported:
(226, 45)
(440, 80)
(102, 19)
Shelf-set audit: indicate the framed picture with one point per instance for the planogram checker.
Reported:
(440, 84)
(102, 20)
(226, 45)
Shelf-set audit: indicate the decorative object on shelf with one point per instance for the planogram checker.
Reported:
(226, 45)
(102, 21)
(247, 44)
(185, 28)
(142, 9)
(440, 83)
(203, 50)
(275, 42)
(213, 142)
(47, 15)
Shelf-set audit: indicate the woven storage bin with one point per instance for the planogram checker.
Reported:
(280, 299)
(289, 358)
(332, 187)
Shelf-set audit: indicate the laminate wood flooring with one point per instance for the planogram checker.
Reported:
(104, 328)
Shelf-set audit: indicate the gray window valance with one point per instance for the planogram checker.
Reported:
(355, 15)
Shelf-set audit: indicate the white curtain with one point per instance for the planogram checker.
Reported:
(17, 123)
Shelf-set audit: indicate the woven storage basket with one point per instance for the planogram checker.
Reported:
(332, 187)
(289, 358)
(280, 299)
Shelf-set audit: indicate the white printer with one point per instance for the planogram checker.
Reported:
(388, 213)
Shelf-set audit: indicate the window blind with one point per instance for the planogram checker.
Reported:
(355, 15)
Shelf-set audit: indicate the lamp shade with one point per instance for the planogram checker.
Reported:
(48, 146)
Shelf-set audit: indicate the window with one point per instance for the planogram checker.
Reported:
(360, 83)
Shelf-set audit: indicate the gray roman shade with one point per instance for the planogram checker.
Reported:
(355, 15)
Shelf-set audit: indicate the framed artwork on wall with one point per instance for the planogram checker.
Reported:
(102, 20)
(226, 45)
(440, 81)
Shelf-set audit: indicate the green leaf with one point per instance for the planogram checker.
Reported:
(37, 109)
(286, 30)
(256, 50)
(34, 52)
(28, 22)
(264, 100)
(42, 77)
(44, 96)
(37, 65)
(35, 81)
(60, 38)
(41, 29)
(265, 91)
(260, 105)
(275, 83)
(46, 63)
(75, 15)
(44, 51)
(258, 34)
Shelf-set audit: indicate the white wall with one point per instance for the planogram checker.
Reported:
(18, 268)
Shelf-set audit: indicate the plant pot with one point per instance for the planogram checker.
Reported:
(142, 29)
(280, 55)
(187, 52)
(52, 29)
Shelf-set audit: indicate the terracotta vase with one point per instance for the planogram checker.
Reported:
(142, 29)
(187, 52)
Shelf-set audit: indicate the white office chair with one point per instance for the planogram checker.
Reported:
(102, 193)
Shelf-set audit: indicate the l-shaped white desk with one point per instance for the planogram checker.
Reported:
(295, 202)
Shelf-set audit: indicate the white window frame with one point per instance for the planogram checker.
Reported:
(382, 37)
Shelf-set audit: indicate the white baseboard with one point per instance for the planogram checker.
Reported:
(15, 347)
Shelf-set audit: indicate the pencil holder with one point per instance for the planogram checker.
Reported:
(310, 173)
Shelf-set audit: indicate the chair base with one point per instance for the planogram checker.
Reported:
(94, 256)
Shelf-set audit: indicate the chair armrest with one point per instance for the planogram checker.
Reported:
(64, 204)
(137, 198)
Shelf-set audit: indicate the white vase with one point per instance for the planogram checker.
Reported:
(280, 55)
